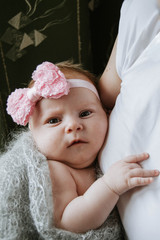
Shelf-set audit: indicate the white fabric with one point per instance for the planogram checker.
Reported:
(134, 125)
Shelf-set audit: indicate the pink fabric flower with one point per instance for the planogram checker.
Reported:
(50, 82)
(19, 106)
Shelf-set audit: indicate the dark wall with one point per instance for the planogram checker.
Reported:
(104, 27)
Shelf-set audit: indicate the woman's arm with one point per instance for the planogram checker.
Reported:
(109, 83)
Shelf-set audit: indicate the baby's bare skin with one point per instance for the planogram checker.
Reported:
(78, 198)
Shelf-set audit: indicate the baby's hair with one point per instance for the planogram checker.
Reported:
(69, 67)
(76, 67)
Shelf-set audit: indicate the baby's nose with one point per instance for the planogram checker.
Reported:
(73, 126)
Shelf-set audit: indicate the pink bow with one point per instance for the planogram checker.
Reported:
(50, 82)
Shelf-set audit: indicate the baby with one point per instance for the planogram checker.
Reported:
(69, 125)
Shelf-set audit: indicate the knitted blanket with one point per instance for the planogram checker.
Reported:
(26, 206)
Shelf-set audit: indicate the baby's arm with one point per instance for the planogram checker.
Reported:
(109, 83)
(81, 213)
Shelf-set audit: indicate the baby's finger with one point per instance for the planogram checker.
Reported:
(137, 158)
(140, 172)
(138, 181)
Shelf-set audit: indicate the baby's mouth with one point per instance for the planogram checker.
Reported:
(76, 142)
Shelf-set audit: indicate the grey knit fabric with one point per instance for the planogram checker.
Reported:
(26, 206)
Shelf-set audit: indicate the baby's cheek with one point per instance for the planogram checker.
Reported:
(103, 129)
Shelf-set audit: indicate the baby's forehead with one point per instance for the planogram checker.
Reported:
(77, 97)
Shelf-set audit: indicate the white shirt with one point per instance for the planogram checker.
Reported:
(134, 125)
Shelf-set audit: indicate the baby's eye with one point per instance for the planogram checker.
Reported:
(85, 113)
(54, 120)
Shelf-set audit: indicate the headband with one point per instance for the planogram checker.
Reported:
(49, 82)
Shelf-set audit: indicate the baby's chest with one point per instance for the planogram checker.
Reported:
(83, 179)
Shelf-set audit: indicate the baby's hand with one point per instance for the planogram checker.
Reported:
(127, 174)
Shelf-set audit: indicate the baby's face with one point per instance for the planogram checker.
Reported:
(70, 129)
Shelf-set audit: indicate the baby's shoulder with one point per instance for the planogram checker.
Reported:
(61, 175)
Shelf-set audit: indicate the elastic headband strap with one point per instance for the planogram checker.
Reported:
(74, 83)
